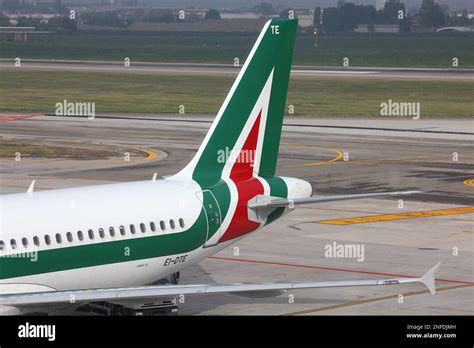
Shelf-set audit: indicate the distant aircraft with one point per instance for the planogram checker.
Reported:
(106, 242)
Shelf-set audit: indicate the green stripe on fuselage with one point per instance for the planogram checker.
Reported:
(277, 189)
(110, 252)
(222, 194)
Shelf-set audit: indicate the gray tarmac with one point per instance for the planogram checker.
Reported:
(338, 156)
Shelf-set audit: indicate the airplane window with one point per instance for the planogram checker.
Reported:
(58, 238)
(101, 233)
(132, 229)
(47, 239)
(122, 230)
(112, 231)
(69, 237)
(80, 236)
(162, 225)
(2, 245)
(24, 241)
(91, 234)
(36, 241)
(181, 222)
(152, 226)
(172, 224)
(13, 243)
(142, 227)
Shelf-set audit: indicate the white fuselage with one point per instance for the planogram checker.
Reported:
(47, 213)
(169, 209)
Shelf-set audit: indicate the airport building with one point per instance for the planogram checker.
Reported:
(305, 17)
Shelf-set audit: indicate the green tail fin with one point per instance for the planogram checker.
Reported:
(251, 116)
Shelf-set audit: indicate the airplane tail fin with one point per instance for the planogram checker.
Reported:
(245, 135)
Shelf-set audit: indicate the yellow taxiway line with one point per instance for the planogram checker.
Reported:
(374, 299)
(318, 163)
(149, 154)
(400, 216)
(469, 182)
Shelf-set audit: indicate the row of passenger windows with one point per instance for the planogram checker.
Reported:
(80, 235)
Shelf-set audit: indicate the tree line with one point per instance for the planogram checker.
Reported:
(347, 16)
(344, 18)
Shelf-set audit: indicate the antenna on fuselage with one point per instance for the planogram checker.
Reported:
(154, 177)
(31, 188)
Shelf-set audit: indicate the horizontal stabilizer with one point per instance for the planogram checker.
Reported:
(262, 201)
